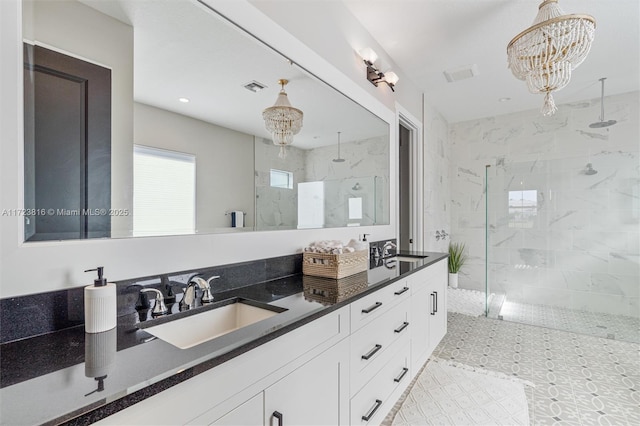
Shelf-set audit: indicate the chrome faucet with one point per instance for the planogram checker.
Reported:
(385, 249)
(190, 294)
(159, 308)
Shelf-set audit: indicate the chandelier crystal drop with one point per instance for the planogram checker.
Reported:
(282, 120)
(545, 54)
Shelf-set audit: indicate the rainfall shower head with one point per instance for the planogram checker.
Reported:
(602, 123)
(589, 170)
(339, 159)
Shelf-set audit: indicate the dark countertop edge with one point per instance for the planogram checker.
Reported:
(95, 412)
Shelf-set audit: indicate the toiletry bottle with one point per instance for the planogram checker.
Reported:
(99, 304)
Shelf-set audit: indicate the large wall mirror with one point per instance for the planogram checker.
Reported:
(145, 118)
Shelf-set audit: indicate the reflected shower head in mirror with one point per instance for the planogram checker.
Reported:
(589, 170)
(602, 123)
(339, 159)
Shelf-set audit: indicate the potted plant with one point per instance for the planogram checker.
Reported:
(457, 258)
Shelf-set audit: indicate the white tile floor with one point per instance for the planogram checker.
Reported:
(580, 380)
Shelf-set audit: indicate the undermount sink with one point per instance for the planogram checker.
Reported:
(405, 258)
(192, 330)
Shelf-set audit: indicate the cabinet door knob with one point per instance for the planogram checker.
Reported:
(278, 416)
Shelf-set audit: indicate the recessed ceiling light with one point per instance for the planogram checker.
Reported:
(504, 99)
(184, 100)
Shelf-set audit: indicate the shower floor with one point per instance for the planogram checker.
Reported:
(592, 323)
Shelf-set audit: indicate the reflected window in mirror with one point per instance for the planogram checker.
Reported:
(164, 188)
(281, 179)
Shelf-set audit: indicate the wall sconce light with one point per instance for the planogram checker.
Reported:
(374, 75)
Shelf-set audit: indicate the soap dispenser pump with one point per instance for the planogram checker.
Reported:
(100, 304)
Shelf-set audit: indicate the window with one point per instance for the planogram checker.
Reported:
(281, 179)
(523, 208)
(164, 192)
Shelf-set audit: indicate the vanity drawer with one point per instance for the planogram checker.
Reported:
(374, 401)
(368, 308)
(374, 344)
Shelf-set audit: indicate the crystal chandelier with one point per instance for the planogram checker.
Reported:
(282, 120)
(545, 54)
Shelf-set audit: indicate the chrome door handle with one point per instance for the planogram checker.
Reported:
(402, 327)
(399, 292)
(372, 352)
(372, 411)
(401, 376)
(372, 307)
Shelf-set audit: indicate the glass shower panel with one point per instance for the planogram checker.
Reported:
(561, 244)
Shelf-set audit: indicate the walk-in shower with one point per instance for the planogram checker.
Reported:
(561, 244)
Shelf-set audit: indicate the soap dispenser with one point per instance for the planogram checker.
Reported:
(100, 311)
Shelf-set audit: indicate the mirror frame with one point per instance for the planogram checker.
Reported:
(59, 264)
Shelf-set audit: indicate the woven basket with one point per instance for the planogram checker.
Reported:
(329, 291)
(334, 265)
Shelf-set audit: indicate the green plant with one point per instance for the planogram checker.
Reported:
(457, 257)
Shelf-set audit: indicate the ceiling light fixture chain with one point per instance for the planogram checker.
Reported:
(545, 54)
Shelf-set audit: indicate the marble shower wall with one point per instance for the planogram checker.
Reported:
(366, 164)
(364, 174)
(576, 242)
(276, 208)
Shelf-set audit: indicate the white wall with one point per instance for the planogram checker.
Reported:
(437, 187)
(335, 34)
(224, 162)
(582, 249)
(37, 267)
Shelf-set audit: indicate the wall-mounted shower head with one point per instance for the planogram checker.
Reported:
(589, 170)
(602, 123)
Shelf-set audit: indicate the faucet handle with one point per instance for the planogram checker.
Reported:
(207, 297)
(159, 308)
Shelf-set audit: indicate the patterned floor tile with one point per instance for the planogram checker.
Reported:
(567, 369)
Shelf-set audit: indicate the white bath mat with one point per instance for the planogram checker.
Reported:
(448, 393)
(467, 302)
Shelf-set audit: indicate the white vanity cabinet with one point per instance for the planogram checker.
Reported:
(347, 367)
(428, 311)
(313, 394)
(309, 395)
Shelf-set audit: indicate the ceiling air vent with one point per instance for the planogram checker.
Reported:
(254, 86)
(461, 73)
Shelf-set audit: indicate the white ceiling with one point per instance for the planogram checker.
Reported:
(182, 49)
(426, 37)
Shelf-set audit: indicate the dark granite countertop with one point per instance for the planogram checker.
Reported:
(70, 376)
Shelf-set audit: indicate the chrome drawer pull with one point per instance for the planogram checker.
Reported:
(433, 303)
(372, 307)
(399, 292)
(372, 352)
(401, 376)
(373, 410)
(402, 327)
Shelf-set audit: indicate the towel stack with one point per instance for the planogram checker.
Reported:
(332, 247)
